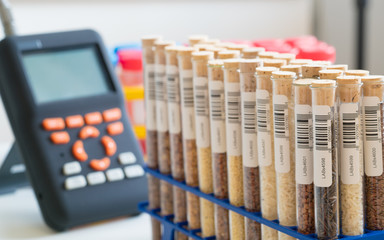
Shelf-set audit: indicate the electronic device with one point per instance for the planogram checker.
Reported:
(67, 113)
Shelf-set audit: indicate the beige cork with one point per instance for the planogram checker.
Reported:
(250, 65)
(171, 55)
(227, 54)
(373, 86)
(301, 62)
(325, 63)
(200, 61)
(267, 54)
(249, 53)
(277, 63)
(247, 74)
(231, 67)
(311, 71)
(286, 56)
(223, 44)
(149, 41)
(160, 51)
(263, 76)
(215, 51)
(238, 47)
(283, 75)
(215, 70)
(292, 68)
(185, 57)
(148, 44)
(211, 41)
(303, 93)
(341, 67)
(357, 72)
(282, 82)
(349, 89)
(202, 47)
(330, 74)
(323, 92)
(195, 39)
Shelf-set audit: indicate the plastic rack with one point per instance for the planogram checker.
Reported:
(169, 227)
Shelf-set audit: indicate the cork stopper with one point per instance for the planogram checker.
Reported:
(372, 78)
(304, 82)
(311, 71)
(200, 61)
(292, 68)
(232, 63)
(323, 92)
(301, 62)
(202, 56)
(171, 54)
(230, 70)
(266, 70)
(349, 89)
(249, 65)
(341, 67)
(185, 51)
(373, 86)
(215, 51)
(223, 44)
(215, 70)
(267, 54)
(330, 74)
(149, 41)
(277, 63)
(202, 47)
(324, 83)
(282, 82)
(227, 54)
(160, 51)
(185, 57)
(357, 72)
(283, 75)
(325, 63)
(238, 47)
(288, 57)
(348, 80)
(195, 39)
(249, 53)
(303, 94)
(211, 41)
(263, 77)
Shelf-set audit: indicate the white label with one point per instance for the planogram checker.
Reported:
(373, 150)
(281, 133)
(264, 140)
(349, 142)
(202, 112)
(322, 142)
(187, 104)
(304, 144)
(150, 97)
(161, 98)
(233, 118)
(173, 91)
(249, 142)
(217, 109)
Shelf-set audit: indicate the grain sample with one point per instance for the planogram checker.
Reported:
(356, 72)
(305, 211)
(264, 111)
(373, 87)
(249, 145)
(176, 139)
(219, 148)
(234, 149)
(284, 140)
(252, 52)
(341, 67)
(351, 155)
(292, 68)
(325, 161)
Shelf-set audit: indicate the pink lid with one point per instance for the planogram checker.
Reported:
(130, 59)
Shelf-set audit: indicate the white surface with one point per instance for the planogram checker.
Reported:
(20, 218)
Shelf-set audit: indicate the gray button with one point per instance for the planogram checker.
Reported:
(127, 158)
(96, 178)
(115, 174)
(75, 182)
(71, 168)
(134, 171)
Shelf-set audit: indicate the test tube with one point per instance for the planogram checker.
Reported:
(351, 155)
(234, 148)
(325, 158)
(373, 91)
(148, 44)
(252, 52)
(219, 147)
(265, 145)
(249, 145)
(284, 145)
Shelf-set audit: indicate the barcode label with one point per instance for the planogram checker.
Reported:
(187, 103)
(161, 98)
(150, 96)
(233, 118)
(322, 152)
(173, 91)
(249, 141)
(202, 112)
(373, 144)
(304, 144)
(281, 133)
(264, 138)
(217, 108)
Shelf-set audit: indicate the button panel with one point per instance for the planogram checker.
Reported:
(75, 182)
(115, 174)
(134, 171)
(96, 178)
(71, 168)
(127, 158)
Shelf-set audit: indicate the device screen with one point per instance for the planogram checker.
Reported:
(65, 74)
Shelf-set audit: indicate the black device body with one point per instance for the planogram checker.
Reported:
(61, 208)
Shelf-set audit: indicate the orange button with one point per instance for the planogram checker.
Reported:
(74, 121)
(60, 137)
(112, 114)
(100, 164)
(53, 124)
(89, 132)
(78, 151)
(93, 118)
(109, 145)
(115, 128)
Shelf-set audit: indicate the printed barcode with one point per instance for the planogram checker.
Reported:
(151, 86)
(159, 88)
(322, 132)
(173, 89)
(233, 106)
(217, 105)
(349, 130)
(303, 131)
(261, 106)
(201, 100)
(371, 123)
(249, 116)
(188, 92)
(279, 113)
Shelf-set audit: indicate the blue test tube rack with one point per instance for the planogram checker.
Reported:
(169, 227)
